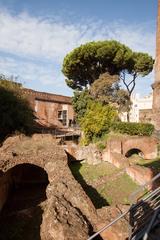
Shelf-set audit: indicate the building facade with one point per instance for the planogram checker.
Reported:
(141, 109)
(52, 111)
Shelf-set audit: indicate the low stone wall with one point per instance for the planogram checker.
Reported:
(115, 158)
(139, 174)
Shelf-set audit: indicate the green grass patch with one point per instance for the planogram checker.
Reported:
(118, 190)
(104, 183)
(92, 172)
(153, 164)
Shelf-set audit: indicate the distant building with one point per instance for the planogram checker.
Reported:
(141, 109)
(52, 111)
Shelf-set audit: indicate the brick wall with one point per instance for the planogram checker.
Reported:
(48, 106)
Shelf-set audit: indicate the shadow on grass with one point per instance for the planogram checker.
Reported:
(152, 164)
(97, 200)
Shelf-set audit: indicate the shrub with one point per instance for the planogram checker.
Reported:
(141, 129)
(97, 120)
(15, 112)
(101, 146)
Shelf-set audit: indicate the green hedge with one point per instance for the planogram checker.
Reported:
(140, 129)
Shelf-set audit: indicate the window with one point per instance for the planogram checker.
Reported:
(62, 116)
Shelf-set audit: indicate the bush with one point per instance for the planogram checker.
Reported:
(97, 120)
(140, 129)
(101, 146)
(15, 112)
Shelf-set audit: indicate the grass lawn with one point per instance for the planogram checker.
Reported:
(104, 183)
(154, 164)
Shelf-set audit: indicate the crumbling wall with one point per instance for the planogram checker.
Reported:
(68, 212)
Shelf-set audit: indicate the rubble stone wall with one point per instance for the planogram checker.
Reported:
(68, 212)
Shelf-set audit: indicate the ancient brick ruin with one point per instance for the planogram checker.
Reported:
(25, 168)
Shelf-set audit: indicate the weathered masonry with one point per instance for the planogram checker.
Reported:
(51, 110)
(120, 148)
(156, 85)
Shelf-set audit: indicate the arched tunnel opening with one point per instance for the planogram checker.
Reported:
(134, 151)
(21, 211)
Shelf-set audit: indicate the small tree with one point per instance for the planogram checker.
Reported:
(97, 120)
(107, 90)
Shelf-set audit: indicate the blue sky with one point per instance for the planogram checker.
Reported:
(35, 35)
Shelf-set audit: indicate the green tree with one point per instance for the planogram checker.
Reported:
(97, 120)
(140, 65)
(15, 112)
(80, 102)
(107, 90)
(123, 101)
(84, 64)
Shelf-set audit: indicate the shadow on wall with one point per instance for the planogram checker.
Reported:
(97, 200)
(21, 216)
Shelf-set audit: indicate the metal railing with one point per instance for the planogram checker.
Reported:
(150, 199)
(107, 226)
(141, 215)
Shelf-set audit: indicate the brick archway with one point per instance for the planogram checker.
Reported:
(146, 145)
(133, 151)
(118, 147)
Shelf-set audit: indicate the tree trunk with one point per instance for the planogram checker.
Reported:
(128, 117)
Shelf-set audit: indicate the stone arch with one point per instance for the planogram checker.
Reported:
(25, 183)
(43, 151)
(133, 151)
(18, 160)
(147, 145)
(23, 200)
